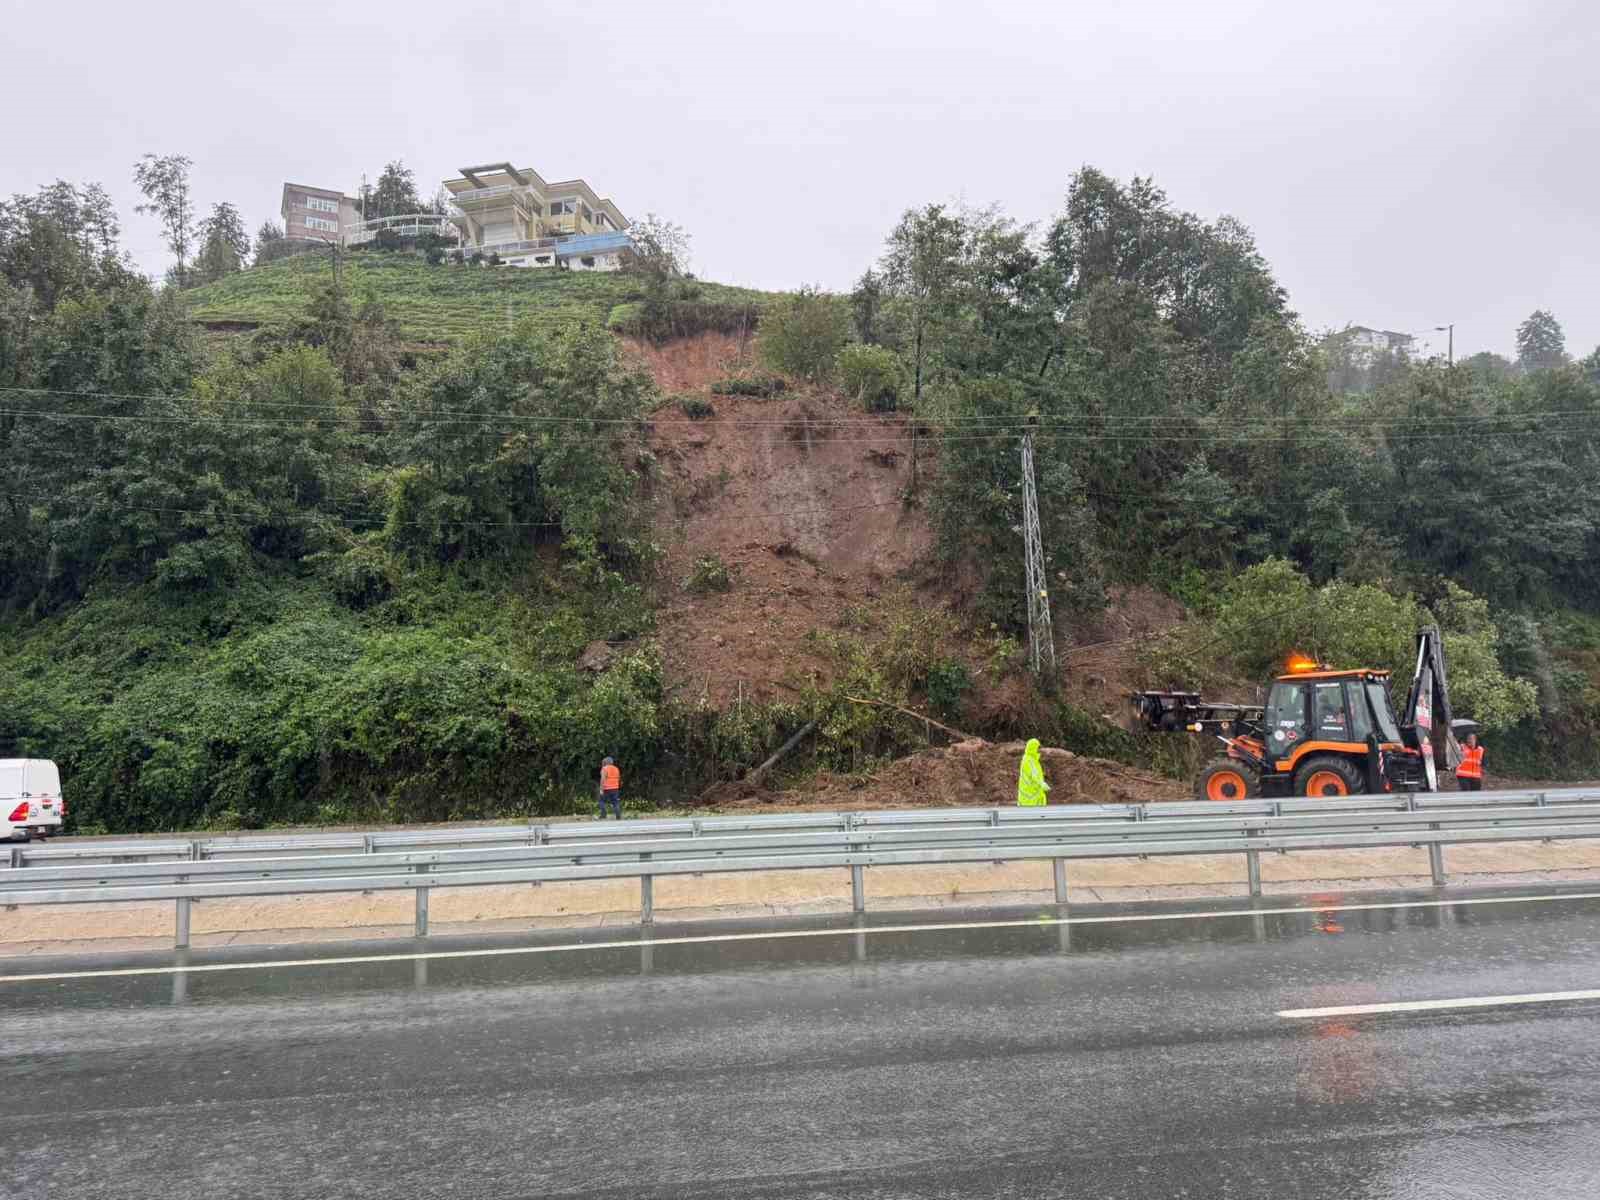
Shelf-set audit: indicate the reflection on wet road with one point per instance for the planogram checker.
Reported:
(1007, 1054)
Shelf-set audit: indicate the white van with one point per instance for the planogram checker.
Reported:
(30, 799)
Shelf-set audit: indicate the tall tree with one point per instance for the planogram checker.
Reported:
(224, 243)
(395, 193)
(100, 223)
(660, 248)
(922, 266)
(164, 180)
(61, 241)
(269, 232)
(1540, 342)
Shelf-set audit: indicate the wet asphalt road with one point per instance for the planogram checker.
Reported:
(1139, 1058)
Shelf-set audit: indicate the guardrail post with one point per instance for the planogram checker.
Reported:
(1252, 866)
(180, 933)
(647, 895)
(538, 835)
(1435, 850)
(858, 879)
(420, 928)
(1060, 865)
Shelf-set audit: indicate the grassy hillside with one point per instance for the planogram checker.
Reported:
(430, 303)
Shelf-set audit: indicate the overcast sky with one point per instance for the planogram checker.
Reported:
(1403, 165)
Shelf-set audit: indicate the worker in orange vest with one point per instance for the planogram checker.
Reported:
(610, 788)
(1469, 775)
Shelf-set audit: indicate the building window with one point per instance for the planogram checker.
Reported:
(584, 210)
(322, 204)
(587, 260)
(562, 207)
(322, 223)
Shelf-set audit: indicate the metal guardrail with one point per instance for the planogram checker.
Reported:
(185, 870)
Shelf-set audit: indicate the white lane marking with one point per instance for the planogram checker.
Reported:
(782, 934)
(1406, 1006)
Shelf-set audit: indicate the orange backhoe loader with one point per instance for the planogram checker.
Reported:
(1322, 732)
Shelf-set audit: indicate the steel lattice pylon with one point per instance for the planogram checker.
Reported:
(1041, 641)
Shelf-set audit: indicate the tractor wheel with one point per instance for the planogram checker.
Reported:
(1327, 775)
(1226, 780)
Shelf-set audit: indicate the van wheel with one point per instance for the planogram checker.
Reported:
(1327, 775)
(1226, 780)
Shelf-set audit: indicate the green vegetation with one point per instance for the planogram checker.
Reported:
(802, 334)
(1272, 605)
(1185, 431)
(871, 376)
(710, 574)
(450, 302)
(312, 574)
(762, 386)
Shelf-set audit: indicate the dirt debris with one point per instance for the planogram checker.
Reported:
(969, 774)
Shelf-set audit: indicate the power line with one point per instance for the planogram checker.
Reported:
(1233, 436)
(347, 516)
(975, 422)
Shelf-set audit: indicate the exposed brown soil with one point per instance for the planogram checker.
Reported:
(692, 364)
(973, 773)
(807, 518)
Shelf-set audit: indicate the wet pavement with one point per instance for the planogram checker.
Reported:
(1134, 1051)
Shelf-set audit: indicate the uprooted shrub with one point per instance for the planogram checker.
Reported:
(763, 386)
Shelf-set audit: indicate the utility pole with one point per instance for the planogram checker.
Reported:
(1041, 641)
(1451, 361)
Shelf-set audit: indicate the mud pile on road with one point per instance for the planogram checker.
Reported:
(969, 774)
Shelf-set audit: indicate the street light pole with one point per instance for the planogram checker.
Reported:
(1451, 327)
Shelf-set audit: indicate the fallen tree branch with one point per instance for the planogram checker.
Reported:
(755, 776)
(923, 717)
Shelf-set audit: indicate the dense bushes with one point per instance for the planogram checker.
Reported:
(760, 385)
(661, 320)
(871, 376)
(284, 708)
(1272, 610)
(802, 333)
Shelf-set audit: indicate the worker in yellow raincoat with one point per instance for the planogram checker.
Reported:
(1031, 787)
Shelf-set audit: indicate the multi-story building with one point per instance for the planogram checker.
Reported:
(1377, 341)
(317, 214)
(513, 213)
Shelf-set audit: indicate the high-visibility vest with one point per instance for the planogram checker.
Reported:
(1471, 763)
(610, 778)
(1031, 787)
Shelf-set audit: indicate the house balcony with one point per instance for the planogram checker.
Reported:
(477, 201)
